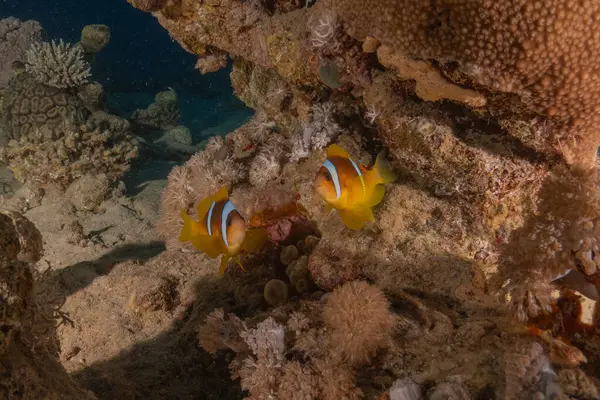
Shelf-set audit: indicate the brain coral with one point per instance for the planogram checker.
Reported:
(29, 104)
(546, 51)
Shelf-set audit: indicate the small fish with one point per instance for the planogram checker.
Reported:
(221, 230)
(350, 188)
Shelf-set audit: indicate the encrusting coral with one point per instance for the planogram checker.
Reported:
(57, 64)
(511, 47)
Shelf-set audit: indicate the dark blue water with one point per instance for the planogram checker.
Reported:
(140, 60)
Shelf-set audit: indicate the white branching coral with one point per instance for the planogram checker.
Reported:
(259, 374)
(57, 64)
(264, 168)
(267, 340)
(317, 133)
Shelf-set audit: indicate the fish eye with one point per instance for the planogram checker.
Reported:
(328, 176)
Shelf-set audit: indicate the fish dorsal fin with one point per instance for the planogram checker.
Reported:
(335, 150)
(205, 204)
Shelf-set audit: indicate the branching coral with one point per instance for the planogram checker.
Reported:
(57, 64)
(317, 133)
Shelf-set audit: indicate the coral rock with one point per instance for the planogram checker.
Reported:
(148, 5)
(88, 192)
(28, 343)
(16, 37)
(95, 37)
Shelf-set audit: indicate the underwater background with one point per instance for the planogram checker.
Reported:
(142, 61)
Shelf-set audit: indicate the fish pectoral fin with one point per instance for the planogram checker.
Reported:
(356, 218)
(207, 244)
(223, 266)
(335, 150)
(376, 195)
(255, 239)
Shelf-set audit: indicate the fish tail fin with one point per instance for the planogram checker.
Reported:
(356, 218)
(189, 229)
(382, 170)
(223, 266)
(255, 239)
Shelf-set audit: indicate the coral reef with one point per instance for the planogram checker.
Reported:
(163, 114)
(57, 64)
(486, 115)
(16, 37)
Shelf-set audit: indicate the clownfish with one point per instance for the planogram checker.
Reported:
(221, 230)
(350, 188)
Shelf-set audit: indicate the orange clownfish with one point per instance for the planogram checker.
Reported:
(221, 230)
(350, 188)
